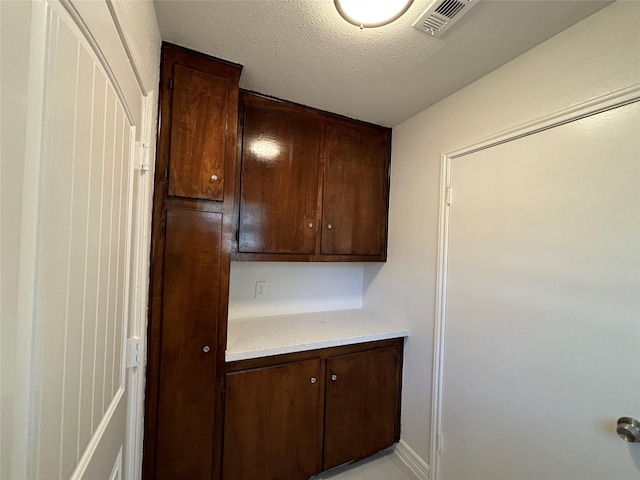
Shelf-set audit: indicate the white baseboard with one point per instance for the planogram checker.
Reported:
(412, 460)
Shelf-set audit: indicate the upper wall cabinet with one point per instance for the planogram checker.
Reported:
(279, 178)
(313, 186)
(356, 189)
(201, 123)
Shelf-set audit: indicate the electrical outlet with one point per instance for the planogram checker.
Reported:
(261, 290)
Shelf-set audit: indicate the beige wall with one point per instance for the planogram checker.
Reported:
(596, 56)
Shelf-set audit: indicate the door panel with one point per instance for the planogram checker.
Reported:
(543, 305)
(280, 167)
(198, 134)
(188, 349)
(76, 279)
(355, 192)
(361, 405)
(273, 422)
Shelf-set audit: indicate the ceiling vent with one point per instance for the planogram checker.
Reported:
(441, 15)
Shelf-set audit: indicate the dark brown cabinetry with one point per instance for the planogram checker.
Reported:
(188, 344)
(356, 190)
(292, 416)
(273, 422)
(279, 178)
(361, 404)
(200, 120)
(192, 237)
(313, 186)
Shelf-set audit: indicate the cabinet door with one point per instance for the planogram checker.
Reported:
(272, 427)
(198, 134)
(355, 196)
(188, 346)
(361, 405)
(280, 166)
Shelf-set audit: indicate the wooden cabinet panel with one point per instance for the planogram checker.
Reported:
(185, 419)
(313, 186)
(280, 166)
(354, 216)
(198, 134)
(361, 405)
(273, 423)
(275, 417)
(192, 237)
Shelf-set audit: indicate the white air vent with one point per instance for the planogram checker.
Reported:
(441, 15)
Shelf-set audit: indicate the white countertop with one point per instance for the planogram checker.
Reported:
(265, 336)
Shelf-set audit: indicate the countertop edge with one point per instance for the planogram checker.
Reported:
(268, 352)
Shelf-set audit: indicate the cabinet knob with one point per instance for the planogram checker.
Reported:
(213, 178)
(329, 226)
(206, 349)
(314, 379)
(310, 225)
(334, 377)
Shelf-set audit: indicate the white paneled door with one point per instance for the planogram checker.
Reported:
(542, 307)
(72, 414)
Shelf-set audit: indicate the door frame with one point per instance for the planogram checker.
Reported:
(592, 106)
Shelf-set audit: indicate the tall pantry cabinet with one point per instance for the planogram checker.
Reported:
(192, 236)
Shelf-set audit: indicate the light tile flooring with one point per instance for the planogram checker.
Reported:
(382, 466)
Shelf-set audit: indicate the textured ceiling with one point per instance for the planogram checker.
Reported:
(303, 51)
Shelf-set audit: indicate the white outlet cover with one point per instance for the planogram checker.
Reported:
(261, 290)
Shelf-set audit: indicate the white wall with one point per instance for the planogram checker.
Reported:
(598, 55)
(138, 23)
(293, 288)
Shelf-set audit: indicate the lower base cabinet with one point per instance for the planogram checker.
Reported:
(272, 422)
(292, 416)
(362, 404)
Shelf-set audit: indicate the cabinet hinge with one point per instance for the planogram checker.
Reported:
(448, 195)
(171, 85)
(166, 174)
(163, 227)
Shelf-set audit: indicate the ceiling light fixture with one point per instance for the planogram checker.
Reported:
(372, 13)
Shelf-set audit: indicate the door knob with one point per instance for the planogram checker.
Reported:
(334, 377)
(206, 349)
(628, 429)
(213, 178)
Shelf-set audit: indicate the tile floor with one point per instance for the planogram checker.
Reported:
(382, 466)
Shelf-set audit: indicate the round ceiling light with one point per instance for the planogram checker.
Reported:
(372, 13)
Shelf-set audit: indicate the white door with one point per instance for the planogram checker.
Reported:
(542, 324)
(75, 276)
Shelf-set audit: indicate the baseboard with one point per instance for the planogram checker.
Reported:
(412, 460)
